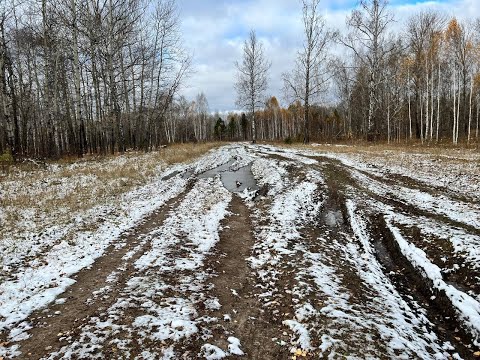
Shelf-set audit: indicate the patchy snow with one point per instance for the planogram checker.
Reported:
(234, 346)
(209, 351)
(212, 352)
(301, 332)
(317, 272)
(271, 173)
(407, 332)
(43, 277)
(458, 211)
(468, 309)
(458, 172)
(34, 287)
(341, 322)
(173, 265)
(454, 170)
(464, 244)
(172, 321)
(288, 154)
(289, 210)
(48, 205)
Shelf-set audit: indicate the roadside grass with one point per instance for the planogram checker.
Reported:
(444, 166)
(416, 147)
(404, 155)
(34, 196)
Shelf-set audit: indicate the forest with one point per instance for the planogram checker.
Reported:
(95, 77)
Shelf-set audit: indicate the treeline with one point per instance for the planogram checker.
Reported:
(88, 76)
(419, 83)
(277, 123)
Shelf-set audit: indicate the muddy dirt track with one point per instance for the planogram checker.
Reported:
(267, 253)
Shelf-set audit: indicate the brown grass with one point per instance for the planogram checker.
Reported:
(380, 149)
(78, 185)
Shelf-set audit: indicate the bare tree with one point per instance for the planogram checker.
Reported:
(368, 41)
(308, 79)
(424, 30)
(459, 39)
(344, 78)
(200, 122)
(252, 77)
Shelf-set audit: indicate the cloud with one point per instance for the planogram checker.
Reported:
(215, 30)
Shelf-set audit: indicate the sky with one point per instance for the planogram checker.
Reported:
(214, 32)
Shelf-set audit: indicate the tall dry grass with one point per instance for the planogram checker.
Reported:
(33, 197)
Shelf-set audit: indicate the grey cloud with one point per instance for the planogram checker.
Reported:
(214, 31)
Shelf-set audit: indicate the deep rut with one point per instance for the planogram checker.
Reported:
(241, 314)
(53, 326)
(411, 285)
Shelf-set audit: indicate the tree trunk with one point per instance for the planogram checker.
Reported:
(427, 97)
(454, 107)
(470, 111)
(409, 106)
(76, 74)
(478, 113)
(438, 101)
(254, 129)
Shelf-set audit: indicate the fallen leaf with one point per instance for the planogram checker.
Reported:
(300, 352)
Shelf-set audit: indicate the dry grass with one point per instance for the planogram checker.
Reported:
(34, 197)
(398, 154)
(416, 147)
(444, 166)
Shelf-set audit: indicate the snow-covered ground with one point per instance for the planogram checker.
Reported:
(325, 229)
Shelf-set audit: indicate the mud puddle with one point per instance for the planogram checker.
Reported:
(185, 174)
(234, 180)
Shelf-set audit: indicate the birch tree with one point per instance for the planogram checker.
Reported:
(309, 77)
(368, 41)
(343, 76)
(424, 36)
(201, 115)
(251, 81)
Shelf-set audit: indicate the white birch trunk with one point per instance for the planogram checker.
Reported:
(409, 106)
(454, 106)
(438, 101)
(458, 111)
(388, 120)
(421, 118)
(478, 112)
(470, 111)
(427, 108)
(432, 102)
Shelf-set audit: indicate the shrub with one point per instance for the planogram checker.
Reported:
(6, 157)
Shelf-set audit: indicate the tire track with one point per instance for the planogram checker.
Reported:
(234, 283)
(408, 282)
(53, 326)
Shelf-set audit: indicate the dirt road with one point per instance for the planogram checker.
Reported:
(267, 253)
